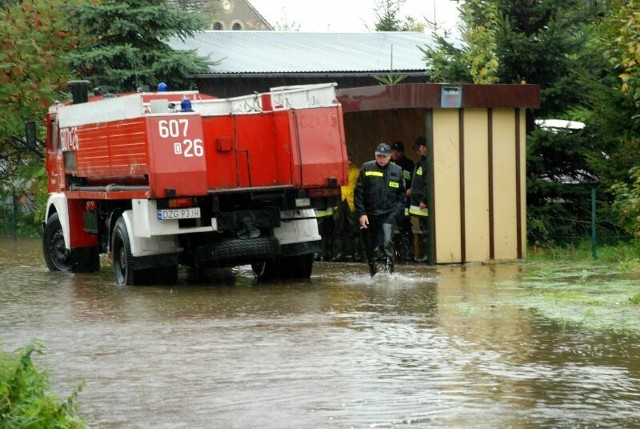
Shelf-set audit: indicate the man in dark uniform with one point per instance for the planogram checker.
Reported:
(418, 195)
(379, 200)
(404, 222)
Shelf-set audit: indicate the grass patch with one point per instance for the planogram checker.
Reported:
(26, 400)
(635, 299)
(568, 285)
(622, 253)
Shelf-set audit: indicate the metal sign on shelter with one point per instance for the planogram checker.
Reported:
(476, 138)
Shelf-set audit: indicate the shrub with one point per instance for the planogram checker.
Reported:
(25, 397)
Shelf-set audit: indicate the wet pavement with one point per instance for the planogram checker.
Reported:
(425, 347)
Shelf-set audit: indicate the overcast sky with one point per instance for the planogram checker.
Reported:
(350, 15)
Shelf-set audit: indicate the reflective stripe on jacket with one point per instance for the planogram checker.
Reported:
(417, 211)
(324, 213)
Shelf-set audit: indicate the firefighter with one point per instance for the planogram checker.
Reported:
(379, 200)
(346, 223)
(404, 222)
(418, 196)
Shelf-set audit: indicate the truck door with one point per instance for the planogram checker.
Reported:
(54, 158)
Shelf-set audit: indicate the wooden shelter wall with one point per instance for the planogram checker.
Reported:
(446, 207)
(476, 179)
(505, 182)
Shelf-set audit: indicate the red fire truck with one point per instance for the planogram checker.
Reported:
(155, 180)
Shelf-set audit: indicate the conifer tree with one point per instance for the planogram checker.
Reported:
(388, 19)
(542, 42)
(129, 45)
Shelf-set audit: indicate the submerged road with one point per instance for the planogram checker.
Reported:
(425, 347)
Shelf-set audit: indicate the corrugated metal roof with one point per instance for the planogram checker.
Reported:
(301, 52)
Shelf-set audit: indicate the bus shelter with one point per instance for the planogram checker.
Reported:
(476, 140)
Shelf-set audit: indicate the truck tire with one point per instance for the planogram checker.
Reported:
(266, 270)
(56, 255)
(124, 267)
(232, 252)
(300, 266)
(123, 262)
(286, 268)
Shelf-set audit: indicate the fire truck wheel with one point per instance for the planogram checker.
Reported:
(289, 267)
(265, 271)
(122, 258)
(56, 255)
(300, 266)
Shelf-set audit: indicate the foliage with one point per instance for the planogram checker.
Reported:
(25, 397)
(207, 8)
(616, 106)
(32, 68)
(118, 44)
(35, 38)
(581, 251)
(391, 78)
(623, 29)
(387, 17)
(446, 62)
(627, 203)
(23, 203)
(284, 25)
(475, 60)
(549, 43)
(481, 39)
(128, 47)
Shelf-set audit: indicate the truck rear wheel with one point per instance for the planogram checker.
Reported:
(122, 257)
(300, 266)
(266, 270)
(56, 255)
(124, 267)
(288, 267)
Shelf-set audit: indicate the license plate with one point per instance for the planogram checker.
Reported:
(186, 213)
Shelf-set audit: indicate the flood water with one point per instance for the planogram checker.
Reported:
(425, 347)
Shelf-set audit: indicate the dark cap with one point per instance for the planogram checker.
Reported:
(420, 141)
(383, 149)
(397, 146)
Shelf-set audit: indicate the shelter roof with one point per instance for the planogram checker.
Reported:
(261, 52)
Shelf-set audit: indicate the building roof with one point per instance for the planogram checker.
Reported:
(245, 52)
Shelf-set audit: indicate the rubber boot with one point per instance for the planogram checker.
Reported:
(408, 246)
(339, 250)
(389, 266)
(327, 245)
(372, 268)
(425, 256)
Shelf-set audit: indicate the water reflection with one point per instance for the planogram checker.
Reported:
(425, 347)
